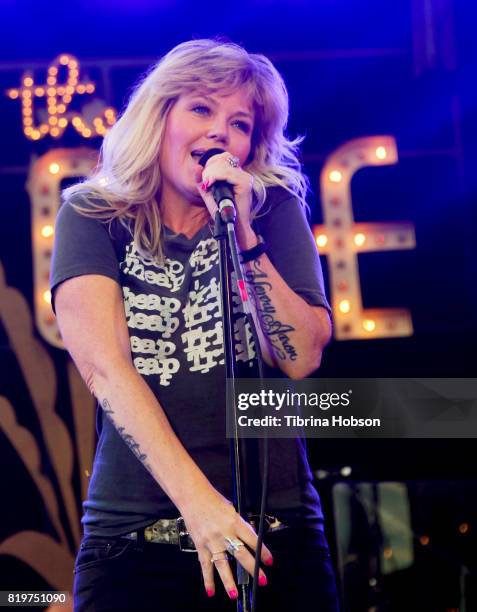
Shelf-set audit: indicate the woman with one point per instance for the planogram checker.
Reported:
(135, 286)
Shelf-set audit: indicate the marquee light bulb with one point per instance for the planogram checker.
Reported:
(369, 325)
(322, 240)
(344, 306)
(335, 176)
(47, 231)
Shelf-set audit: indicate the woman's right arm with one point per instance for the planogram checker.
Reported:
(93, 326)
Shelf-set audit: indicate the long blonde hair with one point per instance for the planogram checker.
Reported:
(127, 180)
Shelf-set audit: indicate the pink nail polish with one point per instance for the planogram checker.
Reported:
(262, 581)
(233, 594)
(269, 561)
(210, 592)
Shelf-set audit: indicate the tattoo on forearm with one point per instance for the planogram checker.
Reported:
(128, 439)
(275, 331)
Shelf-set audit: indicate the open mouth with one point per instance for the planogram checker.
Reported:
(197, 154)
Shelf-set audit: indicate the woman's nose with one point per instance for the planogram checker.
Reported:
(218, 131)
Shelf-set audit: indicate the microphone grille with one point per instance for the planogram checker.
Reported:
(208, 154)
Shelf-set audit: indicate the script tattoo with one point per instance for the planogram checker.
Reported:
(275, 331)
(128, 439)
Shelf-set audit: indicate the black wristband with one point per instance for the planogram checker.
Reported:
(254, 252)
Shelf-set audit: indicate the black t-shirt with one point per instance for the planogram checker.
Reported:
(173, 314)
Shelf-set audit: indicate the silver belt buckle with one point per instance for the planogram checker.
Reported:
(185, 541)
(271, 523)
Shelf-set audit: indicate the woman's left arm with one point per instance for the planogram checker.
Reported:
(294, 333)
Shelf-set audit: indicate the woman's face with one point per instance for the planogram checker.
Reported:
(196, 123)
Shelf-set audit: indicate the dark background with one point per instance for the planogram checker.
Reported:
(353, 69)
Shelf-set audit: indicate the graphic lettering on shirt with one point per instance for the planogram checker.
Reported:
(204, 257)
(244, 347)
(203, 304)
(164, 369)
(146, 346)
(162, 322)
(161, 363)
(199, 348)
(203, 347)
(169, 276)
(191, 326)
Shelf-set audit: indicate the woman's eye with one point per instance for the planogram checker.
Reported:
(242, 125)
(200, 109)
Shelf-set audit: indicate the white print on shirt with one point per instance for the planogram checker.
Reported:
(160, 316)
(145, 301)
(169, 276)
(161, 363)
(162, 322)
(199, 348)
(203, 347)
(203, 304)
(204, 257)
(244, 349)
(159, 348)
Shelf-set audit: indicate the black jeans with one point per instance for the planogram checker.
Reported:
(115, 574)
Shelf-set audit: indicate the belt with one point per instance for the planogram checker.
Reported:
(174, 531)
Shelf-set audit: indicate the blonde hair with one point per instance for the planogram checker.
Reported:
(127, 179)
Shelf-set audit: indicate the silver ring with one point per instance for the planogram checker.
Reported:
(219, 556)
(233, 161)
(233, 546)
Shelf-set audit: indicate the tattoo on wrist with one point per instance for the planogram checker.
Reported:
(275, 331)
(128, 439)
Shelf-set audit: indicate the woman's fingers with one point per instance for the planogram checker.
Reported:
(225, 573)
(229, 531)
(247, 561)
(240, 180)
(207, 572)
(218, 168)
(208, 199)
(242, 556)
(249, 537)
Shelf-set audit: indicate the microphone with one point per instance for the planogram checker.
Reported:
(222, 191)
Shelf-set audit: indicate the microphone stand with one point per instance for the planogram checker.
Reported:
(221, 234)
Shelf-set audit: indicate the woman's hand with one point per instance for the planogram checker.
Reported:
(210, 518)
(219, 168)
